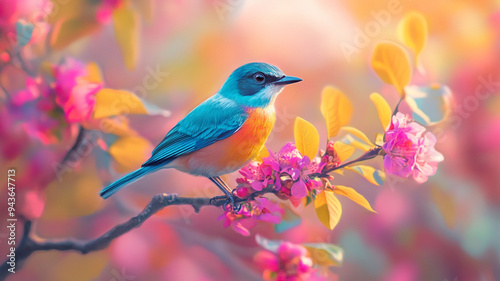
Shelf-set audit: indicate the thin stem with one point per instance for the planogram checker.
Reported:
(7, 95)
(396, 109)
(370, 154)
(79, 139)
(24, 66)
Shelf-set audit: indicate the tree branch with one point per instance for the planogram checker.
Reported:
(79, 139)
(370, 154)
(28, 244)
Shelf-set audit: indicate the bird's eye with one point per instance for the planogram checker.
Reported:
(259, 77)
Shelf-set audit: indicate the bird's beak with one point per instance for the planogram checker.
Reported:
(287, 80)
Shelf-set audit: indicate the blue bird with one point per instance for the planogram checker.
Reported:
(223, 133)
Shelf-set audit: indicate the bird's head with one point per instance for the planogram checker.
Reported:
(256, 84)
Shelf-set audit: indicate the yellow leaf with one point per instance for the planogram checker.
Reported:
(306, 138)
(445, 204)
(379, 139)
(325, 254)
(392, 65)
(78, 267)
(353, 195)
(412, 31)
(146, 8)
(373, 175)
(129, 153)
(74, 195)
(111, 102)
(383, 109)
(350, 140)
(262, 154)
(328, 208)
(67, 31)
(93, 73)
(357, 133)
(118, 125)
(336, 109)
(126, 26)
(343, 150)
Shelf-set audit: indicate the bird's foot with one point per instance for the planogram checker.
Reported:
(229, 200)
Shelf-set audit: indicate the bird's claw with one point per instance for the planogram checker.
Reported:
(229, 200)
(234, 206)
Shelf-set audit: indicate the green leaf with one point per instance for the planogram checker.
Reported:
(325, 254)
(306, 138)
(373, 175)
(328, 208)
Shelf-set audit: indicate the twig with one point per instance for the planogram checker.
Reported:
(76, 145)
(7, 95)
(370, 154)
(22, 62)
(28, 244)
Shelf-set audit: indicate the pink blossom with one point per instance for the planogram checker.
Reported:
(427, 158)
(290, 262)
(287, 170)
(74, 94)
(105, 10)
(410, 149)
(262, 209)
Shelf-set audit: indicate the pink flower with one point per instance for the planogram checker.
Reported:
(290, 262)
(262, 209)
(74, 94)
(400, 157)
(287, 170)
(410, 150)
(105, 10)
(427, 158)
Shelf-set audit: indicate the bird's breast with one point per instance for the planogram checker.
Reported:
(232, 153)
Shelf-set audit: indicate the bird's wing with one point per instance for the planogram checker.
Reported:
(215, 119)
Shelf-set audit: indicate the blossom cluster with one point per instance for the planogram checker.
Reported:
(49, 104)
(290, 262)
(287, 171)
(410, 149)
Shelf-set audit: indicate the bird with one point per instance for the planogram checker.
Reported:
(222, 134)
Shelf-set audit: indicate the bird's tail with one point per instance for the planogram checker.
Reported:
(130, 178)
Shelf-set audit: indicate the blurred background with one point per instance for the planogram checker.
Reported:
(445, 229)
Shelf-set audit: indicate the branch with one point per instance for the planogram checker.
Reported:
(370, 154)
(28, 244)
(76, 145)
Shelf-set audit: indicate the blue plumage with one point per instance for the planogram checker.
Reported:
(252, 85)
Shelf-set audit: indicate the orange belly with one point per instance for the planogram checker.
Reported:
(232, 153)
